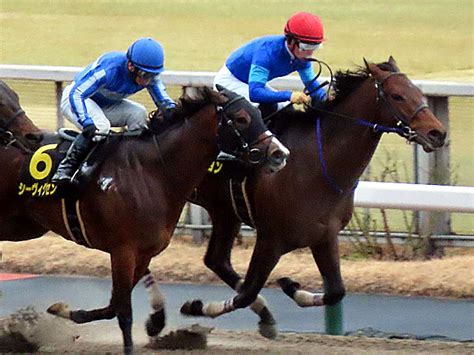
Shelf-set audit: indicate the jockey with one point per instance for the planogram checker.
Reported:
(96, 99)
(250, 67)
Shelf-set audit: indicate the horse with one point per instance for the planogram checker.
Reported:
(18, 137)
(15, 126)
(310, 201)
(132, 202)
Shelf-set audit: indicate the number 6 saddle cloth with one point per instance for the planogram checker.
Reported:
(40, 166)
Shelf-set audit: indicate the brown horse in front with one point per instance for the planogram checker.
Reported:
(131, 206)
(310, 201)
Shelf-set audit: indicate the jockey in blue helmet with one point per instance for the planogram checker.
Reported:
(97, 98)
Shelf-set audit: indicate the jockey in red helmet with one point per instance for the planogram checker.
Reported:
(249, 68)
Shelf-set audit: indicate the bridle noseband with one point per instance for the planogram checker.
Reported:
(402, 122)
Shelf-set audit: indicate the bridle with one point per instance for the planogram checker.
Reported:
(402, 127)
(402, 121)
(255, 155)
(7, 137)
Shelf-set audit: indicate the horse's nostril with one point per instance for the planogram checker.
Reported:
(437, 136)
(278, 156)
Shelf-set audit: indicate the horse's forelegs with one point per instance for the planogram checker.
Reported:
(156, 321)
(218, 260)
(327, 259)
(263, 261)
(123, 279)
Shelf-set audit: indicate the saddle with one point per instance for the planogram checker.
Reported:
(40, 166)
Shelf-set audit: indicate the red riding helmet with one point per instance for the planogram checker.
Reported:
(305, 27)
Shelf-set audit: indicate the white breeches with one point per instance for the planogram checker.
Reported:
(124, 113)
(225, 78)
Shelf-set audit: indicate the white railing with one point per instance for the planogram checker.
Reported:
(430, 197)
(203, 78)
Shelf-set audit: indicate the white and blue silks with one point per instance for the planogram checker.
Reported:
(98, 95)
(249, 68)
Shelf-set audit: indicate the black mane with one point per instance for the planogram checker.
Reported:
(187, 106)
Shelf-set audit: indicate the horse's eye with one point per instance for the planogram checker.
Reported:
(242, 121)
(396, 97)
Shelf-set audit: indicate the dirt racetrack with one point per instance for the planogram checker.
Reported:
(182, 262)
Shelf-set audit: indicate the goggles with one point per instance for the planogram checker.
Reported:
(144, 74)
(308, 46)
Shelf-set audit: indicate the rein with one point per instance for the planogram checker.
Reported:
(403, 129)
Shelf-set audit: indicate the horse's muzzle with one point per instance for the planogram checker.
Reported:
(433, 140)
(277, 156)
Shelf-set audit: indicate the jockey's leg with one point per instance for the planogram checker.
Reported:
(83, 142)
(127, 113)
(74, 156)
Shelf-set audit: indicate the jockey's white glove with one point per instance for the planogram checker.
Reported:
(298, 97)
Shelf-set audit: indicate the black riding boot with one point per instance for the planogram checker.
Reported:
(74, 156)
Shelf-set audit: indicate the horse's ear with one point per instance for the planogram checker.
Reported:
(366, 63)
(374, 70)
(220, 87)
(393, 63)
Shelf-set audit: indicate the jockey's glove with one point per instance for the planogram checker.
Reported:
(299, 97)
(168, 109)
(89, 131)
(93, 133)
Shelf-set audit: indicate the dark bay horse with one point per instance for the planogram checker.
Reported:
(131, 206)
(310, 201)
(18, 137)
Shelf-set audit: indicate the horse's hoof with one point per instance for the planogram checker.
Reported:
(60, 309)
(128, 350)
(289, 286)
(268, 330)
(192, 308)
(155, 323)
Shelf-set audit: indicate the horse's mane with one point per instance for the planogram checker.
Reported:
(345, 82)
(188, 105)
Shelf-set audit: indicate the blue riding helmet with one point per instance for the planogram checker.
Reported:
(146, 54)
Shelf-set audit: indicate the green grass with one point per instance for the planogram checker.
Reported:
(429, 39)
(426, 37)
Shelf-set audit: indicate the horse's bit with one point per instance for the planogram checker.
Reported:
(255, 154)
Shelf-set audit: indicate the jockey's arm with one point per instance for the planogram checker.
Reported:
(307, 76)
(159, 95)
(83, 89)
(258, 92)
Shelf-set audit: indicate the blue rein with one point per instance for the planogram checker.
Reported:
(375, 127)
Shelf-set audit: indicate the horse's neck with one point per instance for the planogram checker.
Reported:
(349, 146)
(188, 151)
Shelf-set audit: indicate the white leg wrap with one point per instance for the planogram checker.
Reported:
(156, 298)
(215, 309)
(308, 299)
(259, 304)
